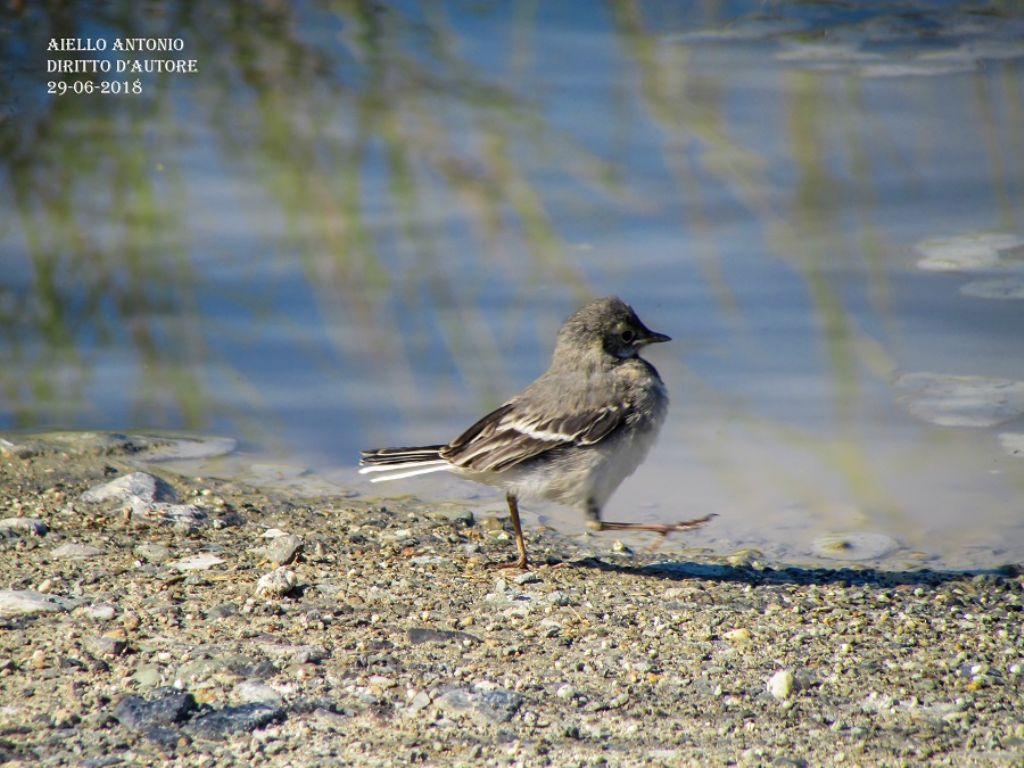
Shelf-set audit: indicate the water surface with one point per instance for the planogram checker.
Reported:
(362, 224)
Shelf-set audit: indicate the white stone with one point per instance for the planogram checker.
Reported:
(73, 550)
(14, 602)
(198, 562)
(256, 692)
(780, 685)
(137, 485)
(278, 583)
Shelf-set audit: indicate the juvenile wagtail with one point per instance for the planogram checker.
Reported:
(572, 436)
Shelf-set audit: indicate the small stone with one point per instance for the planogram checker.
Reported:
(493, 705)
(38, 660)
(199, 562)
(136, 486)
(147, 676)
(14, 602)
(738, 636)
(853, 546)
(184, 516)
(171, 708)
(31, 525)
(101, 612)
(72, 550)
(558, 597)
(256, 691)
(453, 514)
(106, 645)
(780, 685)
(526, 578)
(295, 654)
(282, 550)
(419, 702)
(152, 553)
(277, 583)
(427, 635)
(223, 723)
(222, 611)
(565, 691)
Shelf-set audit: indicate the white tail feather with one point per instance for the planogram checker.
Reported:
(441, 466)
(401, 466)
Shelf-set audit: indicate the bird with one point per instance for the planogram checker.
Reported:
(572, 436)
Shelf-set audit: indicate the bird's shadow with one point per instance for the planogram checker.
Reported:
(849, 577)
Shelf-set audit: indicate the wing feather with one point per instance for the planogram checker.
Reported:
(511, 435)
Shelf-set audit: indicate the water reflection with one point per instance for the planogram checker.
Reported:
(381, 213)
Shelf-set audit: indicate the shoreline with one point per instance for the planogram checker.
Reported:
(172, 628)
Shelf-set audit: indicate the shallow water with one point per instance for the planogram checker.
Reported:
(362, 226)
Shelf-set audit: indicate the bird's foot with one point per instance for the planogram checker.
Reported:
(664, 529)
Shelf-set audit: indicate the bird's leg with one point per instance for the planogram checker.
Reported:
(513, 509)
(595, 523)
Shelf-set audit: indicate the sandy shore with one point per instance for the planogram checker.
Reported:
(203, 622)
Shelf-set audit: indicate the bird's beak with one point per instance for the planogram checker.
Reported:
(653, 337)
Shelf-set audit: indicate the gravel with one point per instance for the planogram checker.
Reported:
(382, 637)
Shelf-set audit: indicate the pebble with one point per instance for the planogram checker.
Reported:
(738, 636)
(278, 583)
(780, 685)
(282, 550)
(558, 597)
(101, 612)
(425, 635)
(220, 724)
(295, 654)
(182, 515)
(147, 676)
(495, 705)
(29, 524)
(72, 550)
(200, 562)
(854, 546)
(452, 514)
(152, 552)
(256, 691)
(419, 702)
(14, 602)
(527, 578)
(140, 486)
(107, 645)
(171, 708)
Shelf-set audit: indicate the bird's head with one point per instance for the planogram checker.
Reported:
(609, 326)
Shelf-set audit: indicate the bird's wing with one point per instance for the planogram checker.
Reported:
(512, 434)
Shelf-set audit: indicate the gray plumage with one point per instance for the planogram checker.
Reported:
(573, 435)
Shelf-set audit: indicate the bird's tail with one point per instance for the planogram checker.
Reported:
(397, 463)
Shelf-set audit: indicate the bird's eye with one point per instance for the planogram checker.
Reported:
(628, 335)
